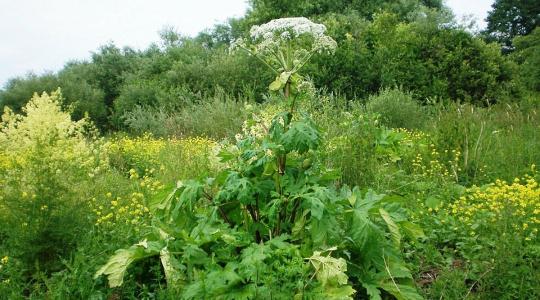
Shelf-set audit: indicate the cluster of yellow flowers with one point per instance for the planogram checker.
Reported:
(140, 151)
(428, 161)
(143, 153)
(412, 136)
(131, 208)
(192, 148)
(42, 151)
(515, 204)
(143, 156)
(146, 181)
(431, 165)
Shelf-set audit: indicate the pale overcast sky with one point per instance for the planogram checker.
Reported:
(40, 35)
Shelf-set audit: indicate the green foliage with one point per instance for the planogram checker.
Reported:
(220, 116)
(424, 56)
(383, 45)
(512, 18)
(483, 136)
(265, 10)
(109, 66)
(19, 90)
(280, 213)
(40, 212)
(397, 109)
(276, 217)
(526, 54)
(79, 96)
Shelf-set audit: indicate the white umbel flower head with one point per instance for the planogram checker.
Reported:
(294, 26)
(285, 46)
(266, 38)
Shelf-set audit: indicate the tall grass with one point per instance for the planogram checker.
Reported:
(217, 117)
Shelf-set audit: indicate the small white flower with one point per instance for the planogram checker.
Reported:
(285, 35)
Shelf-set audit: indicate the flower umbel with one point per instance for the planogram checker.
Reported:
(285, 45)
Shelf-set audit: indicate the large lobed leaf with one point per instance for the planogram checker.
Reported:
(117, 265)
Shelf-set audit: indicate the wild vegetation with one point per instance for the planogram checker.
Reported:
(367, 150)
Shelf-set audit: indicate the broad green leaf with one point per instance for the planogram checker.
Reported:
(284, 77)
(339, 293)
(412, 230)
(352, 199)
(329, 270)
(301, 136)
(317, 207)
(366, 202)
(194, 255)
(395, 268)
(117, 265)
(394, 230)
(373, 292)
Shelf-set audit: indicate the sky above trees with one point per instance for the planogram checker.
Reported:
(44, 35)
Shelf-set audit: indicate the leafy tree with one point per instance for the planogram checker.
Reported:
(264, 10)
(527, 55)
(18, 90)
(511, 18)
(110, 65)
(421, 56)
(79, 95)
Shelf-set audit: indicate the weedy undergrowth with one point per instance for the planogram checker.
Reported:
(272, 224)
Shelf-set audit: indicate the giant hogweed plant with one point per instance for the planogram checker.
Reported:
(272, 225)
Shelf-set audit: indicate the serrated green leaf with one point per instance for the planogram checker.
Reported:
(194, 255)
(339, 293)
(329, 271)
(301, 136)
(191, 191)
(317, 207)
(373, 291)
(394, 230)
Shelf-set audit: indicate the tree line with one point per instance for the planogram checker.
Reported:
(416, 45)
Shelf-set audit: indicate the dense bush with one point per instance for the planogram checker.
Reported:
(397, 109)
(527, 55)
(79, 95)
(428, 56)
(219, 116)
(46, 159)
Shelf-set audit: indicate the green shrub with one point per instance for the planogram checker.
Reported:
(217, 117)
(397, 109)
(46, 162)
